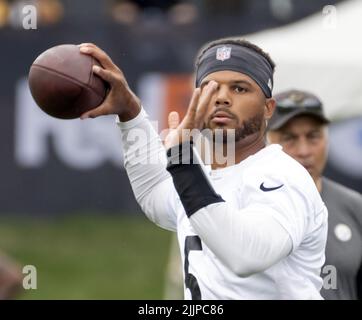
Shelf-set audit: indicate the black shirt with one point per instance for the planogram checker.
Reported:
(344, 242)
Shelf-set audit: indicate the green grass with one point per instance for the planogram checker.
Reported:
(90, 257)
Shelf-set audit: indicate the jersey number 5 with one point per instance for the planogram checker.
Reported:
(192, 243)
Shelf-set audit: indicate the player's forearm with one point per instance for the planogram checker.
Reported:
(145, 163)
(246, 242)
(144, 154)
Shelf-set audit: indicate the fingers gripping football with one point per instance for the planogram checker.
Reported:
(120, 99)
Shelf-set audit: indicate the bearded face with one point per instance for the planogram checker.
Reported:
(232, 127)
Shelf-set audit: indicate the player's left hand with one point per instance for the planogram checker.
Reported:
(194, 116)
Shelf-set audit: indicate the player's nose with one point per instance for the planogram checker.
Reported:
(222, 96)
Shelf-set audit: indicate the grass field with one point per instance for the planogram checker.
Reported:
(90, 257)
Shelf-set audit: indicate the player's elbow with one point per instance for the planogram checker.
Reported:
(246, 267)
(147, 209)
(245, 271)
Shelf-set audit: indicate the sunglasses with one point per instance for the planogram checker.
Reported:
(288, 104)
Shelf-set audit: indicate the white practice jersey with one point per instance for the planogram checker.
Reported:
(269, 184)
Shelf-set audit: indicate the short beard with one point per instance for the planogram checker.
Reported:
(247, 128)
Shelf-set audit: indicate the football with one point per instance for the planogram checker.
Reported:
(62, 83)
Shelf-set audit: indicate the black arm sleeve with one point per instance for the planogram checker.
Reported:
(189, 179)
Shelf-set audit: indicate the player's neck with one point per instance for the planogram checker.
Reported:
(243, 149)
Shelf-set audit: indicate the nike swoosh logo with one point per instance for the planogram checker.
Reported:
(265, 189)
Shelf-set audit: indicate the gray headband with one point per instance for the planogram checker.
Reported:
(240, 59)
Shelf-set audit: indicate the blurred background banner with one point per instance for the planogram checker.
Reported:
(55, 167)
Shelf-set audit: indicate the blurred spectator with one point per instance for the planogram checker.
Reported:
(299, 125)
(4, 13)
(183, 13)
(125, 12)
(129, 12)
(49, 11)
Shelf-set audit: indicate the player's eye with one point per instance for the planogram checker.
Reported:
(239, 89)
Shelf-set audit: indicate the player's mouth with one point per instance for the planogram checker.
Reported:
(221, 118)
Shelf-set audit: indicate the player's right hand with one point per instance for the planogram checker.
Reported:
(173, 123)
(120, 99)
(194, 117)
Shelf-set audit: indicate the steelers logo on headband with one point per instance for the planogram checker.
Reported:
(237, 58)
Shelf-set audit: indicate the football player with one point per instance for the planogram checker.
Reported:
(253, 227)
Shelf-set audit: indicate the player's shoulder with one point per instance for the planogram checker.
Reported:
(274, 157)
(272, 166)
(273, 161)
(292, 189)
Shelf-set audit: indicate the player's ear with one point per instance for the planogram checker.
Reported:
(269, 108)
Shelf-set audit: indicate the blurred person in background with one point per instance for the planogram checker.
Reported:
(299, 125)
(10, 278)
